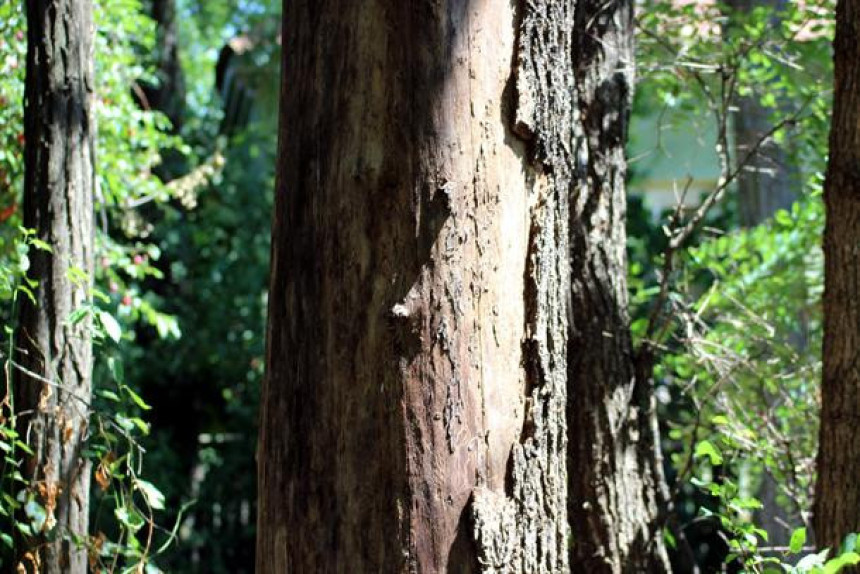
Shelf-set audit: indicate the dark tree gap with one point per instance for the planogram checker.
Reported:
(451, 381)
(53, 387)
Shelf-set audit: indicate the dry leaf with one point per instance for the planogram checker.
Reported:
(32, 559)
(49, 492)
(68, 431)
(103, 471)
(45, 396)
(96, 543)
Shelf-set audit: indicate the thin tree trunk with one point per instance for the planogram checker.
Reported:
(52, 394)
(168, 95)
(837, 497)
(617, 487)
(439, 198)
(770, 181)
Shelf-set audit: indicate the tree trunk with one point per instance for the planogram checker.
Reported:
(837, 499)
(770, 181)
(447, 267)
(616, 475)
(168, 95)
(53, 388)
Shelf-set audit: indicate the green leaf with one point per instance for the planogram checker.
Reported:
(39, 244)
(706, 448)
(154, 497)
(141, 424)
(116, 369)
(798, 539)
(840, 562)
(26, 291)
(669, 538)
(99, 294)
(138, 400)
(79, 315)
(109, 395)
(131, 520)
(111, 326)
(810, 561)
(77, 275)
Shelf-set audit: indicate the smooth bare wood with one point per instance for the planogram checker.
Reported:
(58, 204)
(837, 495)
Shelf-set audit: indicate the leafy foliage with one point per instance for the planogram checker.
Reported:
(130, 142)
(741, 342)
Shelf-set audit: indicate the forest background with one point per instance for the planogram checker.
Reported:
(186, 93)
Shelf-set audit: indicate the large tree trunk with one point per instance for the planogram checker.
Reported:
(53, 393)
(837, 499)
(447, 269)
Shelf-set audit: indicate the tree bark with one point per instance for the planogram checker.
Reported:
(617, 485)
(447, 267)
(837, 497)
(52, 391)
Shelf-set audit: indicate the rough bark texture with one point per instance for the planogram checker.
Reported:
(384, 374)
(616, 475)
(837, 499)
(414, 410)
(52, 394)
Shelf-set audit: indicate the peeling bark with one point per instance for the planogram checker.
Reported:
(53, 393)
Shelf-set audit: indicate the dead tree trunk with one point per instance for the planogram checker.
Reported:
(53, 386)
(837, 496)
(447, 275)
